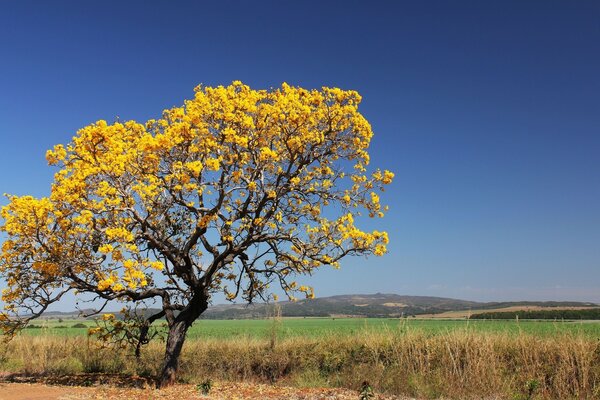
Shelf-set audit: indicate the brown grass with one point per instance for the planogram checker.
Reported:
(458, 364)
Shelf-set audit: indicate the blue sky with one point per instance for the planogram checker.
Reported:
(488, 113)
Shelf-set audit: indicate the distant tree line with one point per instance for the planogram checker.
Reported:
(590, 313)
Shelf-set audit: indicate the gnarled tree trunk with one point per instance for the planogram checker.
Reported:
(176, 337)
(175, 341)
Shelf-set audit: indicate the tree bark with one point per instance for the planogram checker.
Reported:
(176, 337)
(175, 341)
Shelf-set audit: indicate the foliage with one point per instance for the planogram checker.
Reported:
(131, 329)
(366, 391)
(204, 387)
(585, 314)
(232, 192)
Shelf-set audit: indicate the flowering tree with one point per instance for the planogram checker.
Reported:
(235, 190)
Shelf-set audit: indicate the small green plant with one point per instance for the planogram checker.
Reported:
(366, 392)
(204, 387)
(531, 386)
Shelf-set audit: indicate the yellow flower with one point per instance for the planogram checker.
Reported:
(105, 284)
(213, 164)
(266, 154)
(379, 250)
(195, 167)
(157, 265)
(387, 177)
(117, 287)
(106, 248)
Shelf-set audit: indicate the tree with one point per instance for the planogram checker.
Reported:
(235, 190)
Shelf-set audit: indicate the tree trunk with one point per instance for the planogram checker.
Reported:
(175, 341)
(177, 331)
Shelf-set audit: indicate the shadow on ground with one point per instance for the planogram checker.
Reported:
(86, 379)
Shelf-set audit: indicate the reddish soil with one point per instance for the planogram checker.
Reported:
(99, 387)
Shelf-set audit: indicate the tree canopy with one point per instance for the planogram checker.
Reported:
(236, 191)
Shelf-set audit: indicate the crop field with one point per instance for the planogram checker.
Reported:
(317, 327)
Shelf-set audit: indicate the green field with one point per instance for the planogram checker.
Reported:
(315, 327)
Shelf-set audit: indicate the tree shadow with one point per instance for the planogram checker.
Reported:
(83, 379)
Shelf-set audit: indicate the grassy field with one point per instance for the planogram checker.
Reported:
(437, 359)
(316, 327)
(423, 358)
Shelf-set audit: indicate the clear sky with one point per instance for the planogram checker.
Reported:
(487, 111)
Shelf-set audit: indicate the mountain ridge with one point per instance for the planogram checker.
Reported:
(382, 305)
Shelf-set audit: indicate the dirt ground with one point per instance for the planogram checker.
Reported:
(109, 388)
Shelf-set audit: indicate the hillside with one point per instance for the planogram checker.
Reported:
(366, 305)
(373, 305)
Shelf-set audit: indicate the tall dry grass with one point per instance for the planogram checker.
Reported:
(458, 364)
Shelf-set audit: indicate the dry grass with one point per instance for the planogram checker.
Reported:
(458, 364)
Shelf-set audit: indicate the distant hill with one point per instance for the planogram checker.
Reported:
(359, 305)
(369, 305)
(66, 314)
